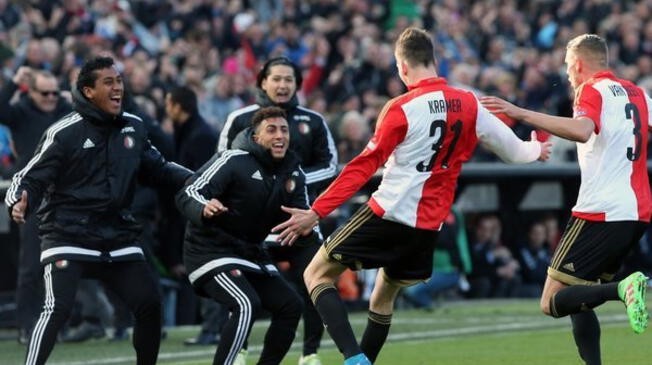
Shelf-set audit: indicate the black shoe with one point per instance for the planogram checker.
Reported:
(83, 332)
(204, 338)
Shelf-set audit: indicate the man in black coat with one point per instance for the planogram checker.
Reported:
(194, 139)
(277, 84)
(194, 142)
(36, 109)
(232, 203)
(85, 171)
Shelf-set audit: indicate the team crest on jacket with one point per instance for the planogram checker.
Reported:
(290, 185)
(129, 142)
(236, 273)
(304, 128)
(61, 264)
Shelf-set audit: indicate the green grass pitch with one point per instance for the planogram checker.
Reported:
(471, 332)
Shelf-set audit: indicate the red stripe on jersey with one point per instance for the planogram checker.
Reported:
(596, 217)
(639, 178)
(391, 129)
(459, 142)
(431, 212)
(589, 104)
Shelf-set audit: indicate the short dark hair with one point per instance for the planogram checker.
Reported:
(266, 112)
(264, 72)
(185, 97)
(415, 47)
(88, 76)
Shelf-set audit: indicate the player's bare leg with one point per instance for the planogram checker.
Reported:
(586, 327)
(550, 288)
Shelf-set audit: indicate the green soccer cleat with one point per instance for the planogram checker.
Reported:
(631, 291)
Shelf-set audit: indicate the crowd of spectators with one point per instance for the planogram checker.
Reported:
(510, 48)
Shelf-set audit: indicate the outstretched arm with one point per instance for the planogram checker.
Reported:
(391, 130)
(575, 129)
(157, 171)
(501, 140)
(301, 223)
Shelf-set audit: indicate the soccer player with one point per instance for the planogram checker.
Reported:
(610, 126)
(424, 135)
(232, 203)
(85, 170)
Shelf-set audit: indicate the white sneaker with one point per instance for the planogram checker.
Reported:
(241, 358)
(312, 359)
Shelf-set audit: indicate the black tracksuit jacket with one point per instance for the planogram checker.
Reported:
(310, 139)
(253, 187)
(84, 172)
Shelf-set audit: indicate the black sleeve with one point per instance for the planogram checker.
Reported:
(235, 122)
(156, 171)
(324, 154)
(300, 200)
(210, 181)
(300, 193)
(40, 172)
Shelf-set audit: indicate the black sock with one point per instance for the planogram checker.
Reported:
(375, 334)
(586, 331)
(580, 298)
(329, 305)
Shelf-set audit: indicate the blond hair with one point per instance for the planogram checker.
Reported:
(591, 48)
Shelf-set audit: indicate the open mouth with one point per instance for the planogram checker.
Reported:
(116, 101)
(283, 94)
(278, 147)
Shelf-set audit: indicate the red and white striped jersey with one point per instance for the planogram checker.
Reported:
(424, 136)
(613, 162)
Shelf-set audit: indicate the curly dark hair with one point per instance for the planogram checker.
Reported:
(88, 76)
(266, 112)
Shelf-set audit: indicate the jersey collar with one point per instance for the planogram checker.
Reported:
(428, 81)
(606, 74)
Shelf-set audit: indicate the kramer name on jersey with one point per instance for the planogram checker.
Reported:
(441, 106)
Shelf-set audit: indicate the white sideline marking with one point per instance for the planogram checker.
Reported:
(433, 319)
(495, 328)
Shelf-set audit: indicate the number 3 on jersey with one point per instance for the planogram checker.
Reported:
(438, 130)
(632, 111)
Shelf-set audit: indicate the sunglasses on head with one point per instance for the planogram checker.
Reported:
(46, 93)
